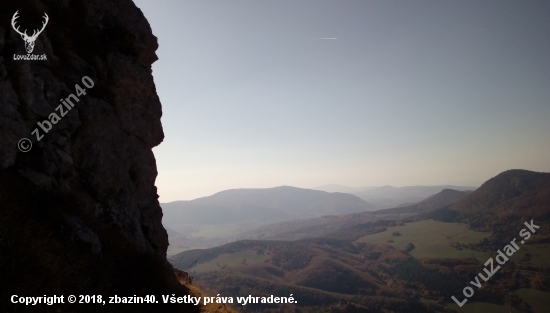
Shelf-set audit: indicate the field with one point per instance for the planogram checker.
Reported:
(540, 254)
(538, 300)
(229, 260)
(483, 307)
(431, 239)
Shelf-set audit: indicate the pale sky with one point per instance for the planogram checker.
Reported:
(305, 93)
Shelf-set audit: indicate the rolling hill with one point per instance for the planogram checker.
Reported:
(318, 272)
(219, 218)
(345, 224)
(387, 263)
(511, 194)
(371, 274)
(433, 202)
(385, 197)
(390, 197)
(271, 204)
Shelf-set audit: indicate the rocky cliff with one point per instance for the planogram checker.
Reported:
(85, 100)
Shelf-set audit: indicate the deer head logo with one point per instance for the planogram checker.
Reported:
(29, 40)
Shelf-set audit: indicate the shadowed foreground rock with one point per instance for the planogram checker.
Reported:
(79, 212)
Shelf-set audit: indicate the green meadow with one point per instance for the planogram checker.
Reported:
(539, 254)
(431, 239)
(538, 300)
(482, 307)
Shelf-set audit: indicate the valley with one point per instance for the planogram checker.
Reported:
(397, 260)
(285, 213)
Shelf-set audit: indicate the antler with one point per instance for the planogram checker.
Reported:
(17, 29)
(35, 34)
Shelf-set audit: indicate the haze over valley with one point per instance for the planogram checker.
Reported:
(226, 215)
(409, 258)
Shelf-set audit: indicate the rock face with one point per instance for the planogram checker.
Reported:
(98, 153)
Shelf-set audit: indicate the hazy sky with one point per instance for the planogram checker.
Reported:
(409, 92)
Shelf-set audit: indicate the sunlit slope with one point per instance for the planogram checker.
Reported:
(431, 239)
(511, 194)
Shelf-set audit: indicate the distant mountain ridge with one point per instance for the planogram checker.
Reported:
(232, 214)
(333, 225)
(385, 197)
(217, 219)
(342, 188)
(444, 198)
(276, 203)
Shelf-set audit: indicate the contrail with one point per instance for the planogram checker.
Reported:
(325, 38)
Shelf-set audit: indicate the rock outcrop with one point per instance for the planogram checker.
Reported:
(90, 166)
(101, 149)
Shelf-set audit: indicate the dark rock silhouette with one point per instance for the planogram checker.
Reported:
(85, 192)
(103, 145)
